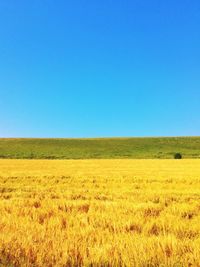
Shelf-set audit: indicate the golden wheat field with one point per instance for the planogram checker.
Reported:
(99, 213)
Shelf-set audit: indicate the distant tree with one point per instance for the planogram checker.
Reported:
(177, 156)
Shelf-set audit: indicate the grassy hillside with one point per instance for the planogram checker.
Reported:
(100, 148)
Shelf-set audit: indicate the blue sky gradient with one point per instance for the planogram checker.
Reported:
(99, 68)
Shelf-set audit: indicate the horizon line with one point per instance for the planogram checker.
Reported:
(107, 137)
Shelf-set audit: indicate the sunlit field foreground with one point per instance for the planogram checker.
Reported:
(100, 212)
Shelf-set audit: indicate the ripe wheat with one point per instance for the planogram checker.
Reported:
(99, 213)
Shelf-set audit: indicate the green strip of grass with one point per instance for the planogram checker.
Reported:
(163, 147)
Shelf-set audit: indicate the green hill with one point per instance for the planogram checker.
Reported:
(163, 147)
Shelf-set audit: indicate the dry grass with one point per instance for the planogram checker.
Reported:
(100, 213)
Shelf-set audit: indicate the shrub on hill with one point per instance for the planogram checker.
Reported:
(177, 156)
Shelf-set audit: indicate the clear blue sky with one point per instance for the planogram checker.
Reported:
(85, 68)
